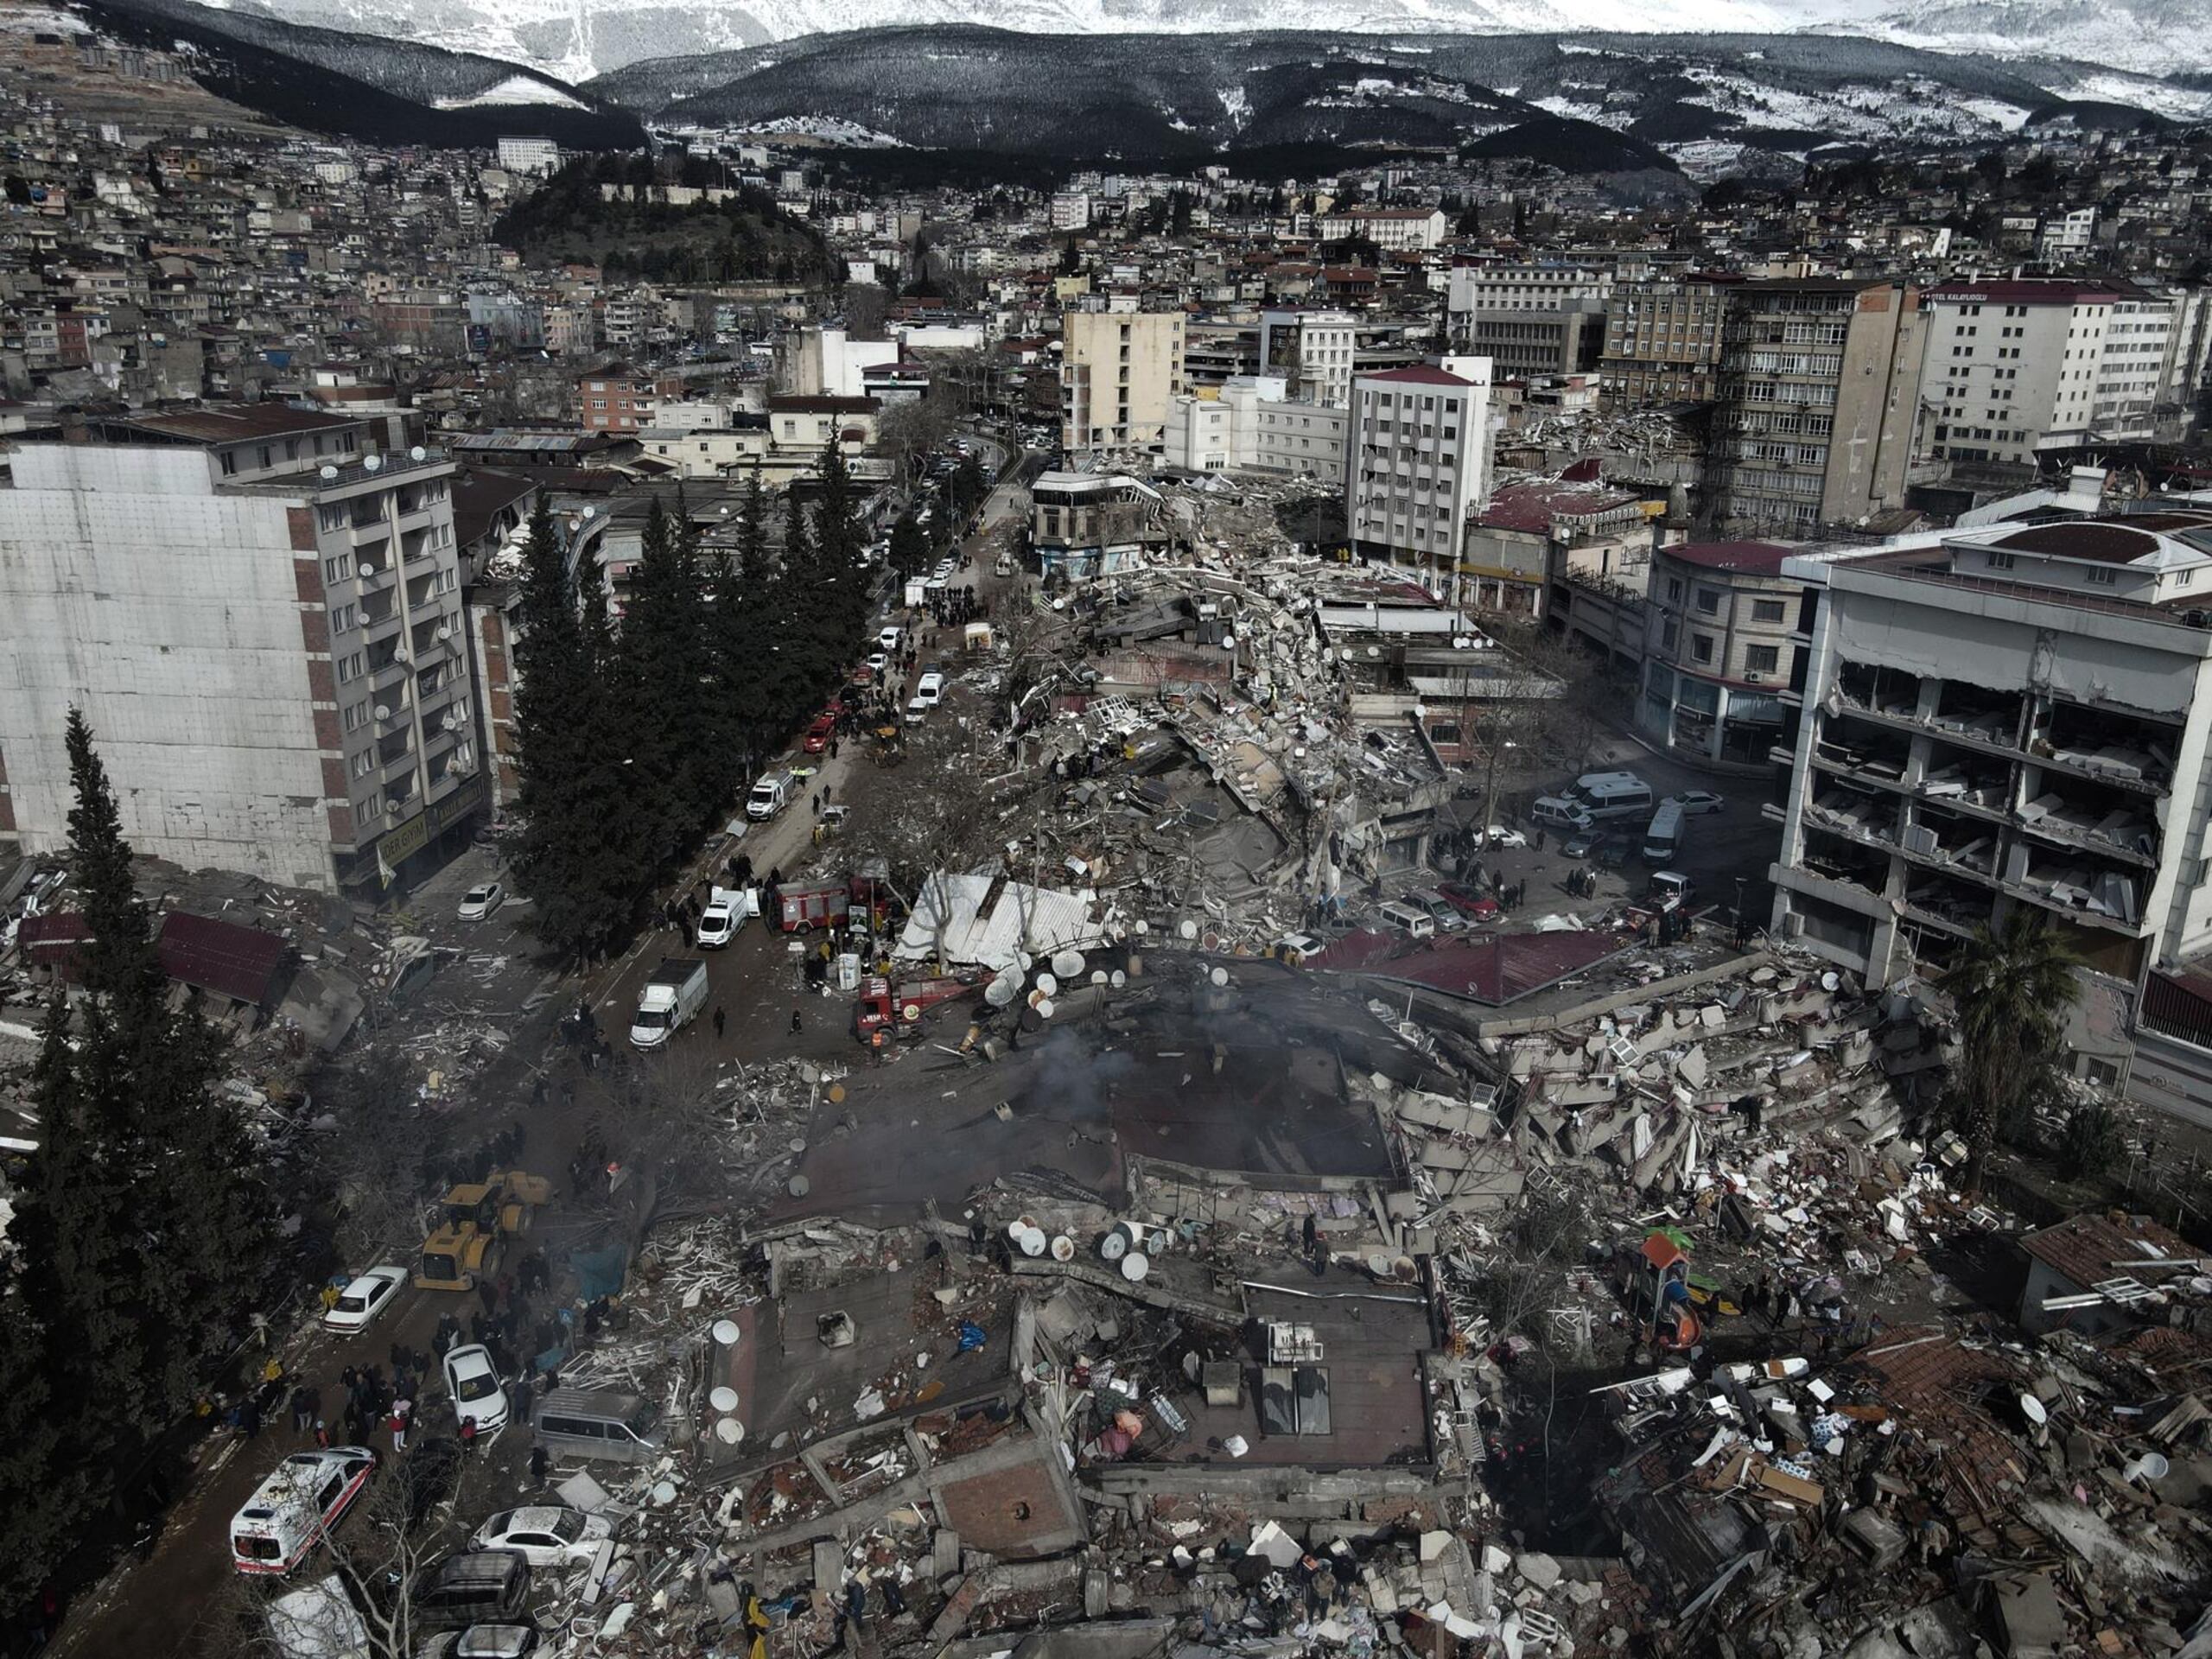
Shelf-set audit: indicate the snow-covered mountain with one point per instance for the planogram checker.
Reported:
(578, 39)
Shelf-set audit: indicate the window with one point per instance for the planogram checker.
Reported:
(1701, 647)
(1709, 602)
(1761, 659)
(2000, 561)
(364, 763)
(338, 569)
(229, 463)
(268, 457)
(2103, 576)
(1767, 610)
(1674, 591)
(331, 515)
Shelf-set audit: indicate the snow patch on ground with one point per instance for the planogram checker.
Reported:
(514, 89)
(1235, 104)
(831, 129)
(2159, 97)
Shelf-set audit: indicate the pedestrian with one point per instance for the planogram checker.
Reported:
(539, 1463)
(301, 1415)
(488, 1292)
(467, 1435)
(397, 1424)
(321, 1434)
(720, 1020)
(249, 1419)
(537, 1094)
(796, 1022)
(329, 1295)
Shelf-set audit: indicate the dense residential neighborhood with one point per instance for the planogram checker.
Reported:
(1433, 879)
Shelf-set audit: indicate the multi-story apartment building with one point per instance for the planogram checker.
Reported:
(1663, 340)
(616, 398)
(1543, 286)
(1536, 345)
(1314, 350)
(1250, 422)
(2006, 717)
(1071, 211)
(2018, 368)
(261, 618)
(1718, 651)
(524, 155)
(1417, 460)
(1815, 403)
(1117, 371)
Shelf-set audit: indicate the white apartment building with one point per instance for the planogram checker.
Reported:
(1248, 424)
(1394, 230)
(2070, 234)
(1523, 287)
(2016, 368)
(1314, 349)
(262, 620)
(2012, 716)
(1118, 371)
(519, 154)
(1417, 461)
(1071, 211)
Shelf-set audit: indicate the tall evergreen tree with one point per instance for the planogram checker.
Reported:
(139, 1238)
(653, 660)
(741, 632)
(552, 694)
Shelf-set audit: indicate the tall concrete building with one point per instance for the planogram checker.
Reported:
(1531, 321)
(1815, 406)
(1314, 351)
(2006, 718)
(1118, 369)
(1417, 461)
(1663, 340)
(262, 619)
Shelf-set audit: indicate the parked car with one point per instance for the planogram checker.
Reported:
(1698, 800)
(1501, 836)
(1467, 900)
(819, 734)
(496, 1641)
(1447, 915)
(476, 1587)
(364, 1296)
(1580, 844)
(478, 1396)
(482, 901)
(878, 661)
(544, 1534)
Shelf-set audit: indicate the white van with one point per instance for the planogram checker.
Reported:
(301, 1501)
(1556, 812)
(769, 796)
(929, 690)
(1409, 920)
(1664, 835)
(1613, 795)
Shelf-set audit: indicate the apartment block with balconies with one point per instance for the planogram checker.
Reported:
(261, 616)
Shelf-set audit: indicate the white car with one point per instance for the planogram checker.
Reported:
(929, 690)
(878, 661)
(916, 708)
(889, 638)
(478, 1396)
(1500, 836)
(544, 1534)
(1697, 800)
(364, 1296)
(482, 901)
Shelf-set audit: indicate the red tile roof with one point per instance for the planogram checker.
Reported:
(239, 962)
(2101, 543)
(2086, 1248)
(1534, 506)
(1419, 375)
(1743, 558)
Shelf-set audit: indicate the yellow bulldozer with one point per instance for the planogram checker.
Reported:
(475, 1219)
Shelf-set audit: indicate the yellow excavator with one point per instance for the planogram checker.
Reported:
(475, 1221)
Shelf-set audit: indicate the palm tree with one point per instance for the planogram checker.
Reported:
(2011, 987)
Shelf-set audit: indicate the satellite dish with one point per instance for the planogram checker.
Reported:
(1068, 964)
(799, 1187)
(1048, 985)
(1098, 977)
(1033, 1241)
(1134, 1266)
(1830, 980)
(1420, 711)
(1115, 1245)
(366, 568)
(418, 453)
(1228, 642)
(730, 1431)
(1118, 979)
(383, 713)
(1000, 992)
(726, 1332)
(371, 463)
(2032, 1410)
(1219, 977)
(1141, 928)
(1044, 1007)
(1063, 1248)
(722, 1397)
(1187, 928)
(329, 471)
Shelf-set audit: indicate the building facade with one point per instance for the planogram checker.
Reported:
(1718, 651)
(1417, 460)
(616, 398)
(1816, 404)
(1662, 341)
(261, 618)
(1117, 372)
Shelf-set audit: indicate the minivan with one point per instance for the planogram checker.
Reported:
(1441, 910)
(599, 1423)
(481, 1587)
(1557, 813)
(1414, 923)
(1664, 835)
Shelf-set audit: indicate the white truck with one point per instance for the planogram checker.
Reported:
(669, 1000)
(724, 918)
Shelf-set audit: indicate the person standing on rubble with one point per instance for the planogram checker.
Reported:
(796, 1023)
(720, 1020)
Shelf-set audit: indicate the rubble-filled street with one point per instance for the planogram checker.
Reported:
(1183, 1161)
